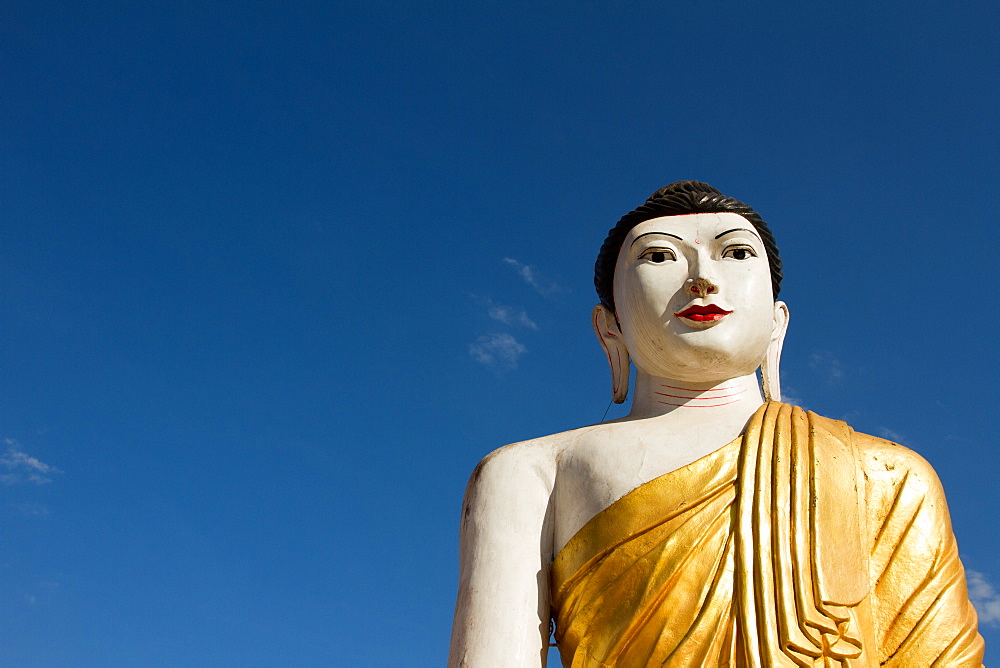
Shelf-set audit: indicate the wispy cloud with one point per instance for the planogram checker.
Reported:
(984, 597)
(791, 396)
(509, 315)
(824, 362)
(42, 594)
(31, 509)
(18, 466)
(498, 351)
(891, 435)
(531, 277)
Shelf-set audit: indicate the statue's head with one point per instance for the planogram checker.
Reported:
(688, 284)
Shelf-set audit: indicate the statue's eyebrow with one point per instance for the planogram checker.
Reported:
(646, 234)
(739, 229)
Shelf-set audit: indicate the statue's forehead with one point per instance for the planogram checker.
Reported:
(690, 222)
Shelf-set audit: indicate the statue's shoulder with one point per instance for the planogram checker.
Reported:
(534, 458)
(884, 463)
(509, 492)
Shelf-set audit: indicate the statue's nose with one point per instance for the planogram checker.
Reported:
(702, 287)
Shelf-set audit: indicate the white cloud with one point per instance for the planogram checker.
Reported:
(31, 509)
(500, 351)
(43, 593)
(510, 316)
(825, 362)
(891, 435)
(851, 417)
(531, 277)
(791, 396)
(20, 466)
(984, 597)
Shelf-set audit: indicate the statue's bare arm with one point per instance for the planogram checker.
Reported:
(502, 612)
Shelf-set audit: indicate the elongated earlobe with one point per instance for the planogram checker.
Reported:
(610, 336)
(772, 358)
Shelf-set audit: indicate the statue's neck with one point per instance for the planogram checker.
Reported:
(656, 396)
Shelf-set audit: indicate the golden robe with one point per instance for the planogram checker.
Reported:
(801, 543)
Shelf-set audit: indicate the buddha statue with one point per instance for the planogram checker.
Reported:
(713, 525)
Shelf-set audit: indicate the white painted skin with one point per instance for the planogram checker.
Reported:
(526, 500)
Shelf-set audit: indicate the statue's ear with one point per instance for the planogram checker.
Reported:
(772, 358)
(610, 336)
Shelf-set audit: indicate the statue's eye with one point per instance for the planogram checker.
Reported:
(658, 255)
(739, 252)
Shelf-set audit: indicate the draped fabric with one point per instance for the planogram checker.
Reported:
(623, 587)
(798, 535)
(799, 544)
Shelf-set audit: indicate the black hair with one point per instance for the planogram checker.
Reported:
(678, 199)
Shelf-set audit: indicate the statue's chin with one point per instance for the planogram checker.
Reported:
(707, 353)
(701, 363)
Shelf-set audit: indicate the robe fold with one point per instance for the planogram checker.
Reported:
(801, 543)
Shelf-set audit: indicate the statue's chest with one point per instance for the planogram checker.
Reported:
(592, 476)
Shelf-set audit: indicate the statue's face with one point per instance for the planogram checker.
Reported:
(693, 295)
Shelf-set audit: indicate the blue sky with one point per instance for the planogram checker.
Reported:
(275, 276)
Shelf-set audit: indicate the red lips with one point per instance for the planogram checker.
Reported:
(703, 313)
